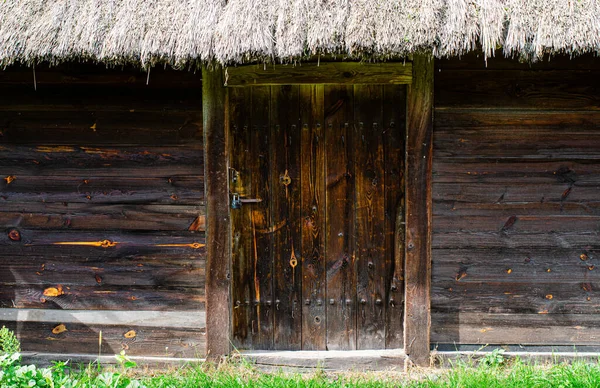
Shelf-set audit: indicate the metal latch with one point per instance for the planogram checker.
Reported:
(237, 201)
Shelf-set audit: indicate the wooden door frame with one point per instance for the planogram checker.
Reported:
(418, 74)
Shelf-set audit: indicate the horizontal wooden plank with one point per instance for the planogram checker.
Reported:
(90, 121)
(588, 240)
(164, 319)
(116, 189)
(476, 61)
(98, 99)
(135, 339)
(101, 243)
(126, 220)
(329, 360)
(103, 298)
(321, 73)
(63, 133)
(557, 259)
(524, 329)
(507, 193)
(568, 121)
(506, 210)
(501, 297)
(539, 266)
(516, 223)
(526, 146)
(516, 173)
(63, 160)
(94, 75)
(86, 271)
(523, 89)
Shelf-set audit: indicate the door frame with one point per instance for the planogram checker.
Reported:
(418, 75)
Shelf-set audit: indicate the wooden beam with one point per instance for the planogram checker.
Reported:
(218, 223)
(419, 136)
(324, 73)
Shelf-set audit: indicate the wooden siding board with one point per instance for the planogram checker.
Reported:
(339, 229)
(262, 220)
(218, 255)
(394, 127)
(370, 219)
(287, 241)
(419, 154)
(321, 73)
(313, 218)
(242, 237)
(515, 171)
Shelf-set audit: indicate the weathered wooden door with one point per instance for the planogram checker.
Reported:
(316, 184)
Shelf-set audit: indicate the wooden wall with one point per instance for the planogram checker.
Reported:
(101, 210)
(516, 198)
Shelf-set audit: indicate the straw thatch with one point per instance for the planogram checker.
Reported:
(191, 31)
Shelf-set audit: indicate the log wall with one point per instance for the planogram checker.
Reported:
(101, 210)
(516, 172)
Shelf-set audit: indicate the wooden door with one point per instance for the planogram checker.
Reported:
(319, 173)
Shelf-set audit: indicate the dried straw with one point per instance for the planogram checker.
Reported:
(184, 32)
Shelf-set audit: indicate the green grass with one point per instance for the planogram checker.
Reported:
(491, 371)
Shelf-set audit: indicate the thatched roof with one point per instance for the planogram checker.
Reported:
(183, 32)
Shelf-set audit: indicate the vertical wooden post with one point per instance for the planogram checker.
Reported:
(419, 136)
(218, 223)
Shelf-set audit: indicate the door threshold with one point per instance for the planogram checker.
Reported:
(327, 360)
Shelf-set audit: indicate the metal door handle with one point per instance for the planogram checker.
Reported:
(237, 201)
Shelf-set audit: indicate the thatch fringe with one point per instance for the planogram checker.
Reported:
(184, 32)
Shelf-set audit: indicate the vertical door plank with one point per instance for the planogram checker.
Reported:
(285, 168)
(241, 219)
(313, 218)
(218, 222)
(262, 255)
(419, 136)
(339, 203)
(369, 229)
(394, 121)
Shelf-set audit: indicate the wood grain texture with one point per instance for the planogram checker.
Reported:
(240, 103)
(419, 131)
(134, 339)
(262, 255)
(516, 169)
(321, 73)
(218, 222)
(287, 241)
(523, 329)
(394, 134)
(369, 214)
(339, 229)
(314, 326)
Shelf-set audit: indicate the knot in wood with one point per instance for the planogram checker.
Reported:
(14, 235)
